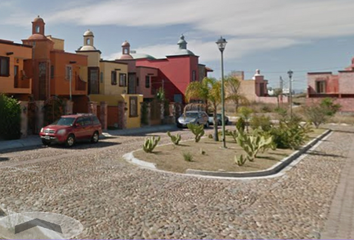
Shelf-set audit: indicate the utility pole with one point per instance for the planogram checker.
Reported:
(281, 88)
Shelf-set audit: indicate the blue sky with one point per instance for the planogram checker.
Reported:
(271, 35)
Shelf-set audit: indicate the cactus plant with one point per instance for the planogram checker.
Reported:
(175, 139)
(252, 144)
(197, 130)
(151, 143)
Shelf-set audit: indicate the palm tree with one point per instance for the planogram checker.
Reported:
(209, 91)
(232, 85)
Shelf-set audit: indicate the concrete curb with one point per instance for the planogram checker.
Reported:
(271, 172)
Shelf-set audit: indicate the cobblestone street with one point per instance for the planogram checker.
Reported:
(114, 199)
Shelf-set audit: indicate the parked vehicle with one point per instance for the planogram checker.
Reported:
(71, 128)
(196, 117)
(218, 117)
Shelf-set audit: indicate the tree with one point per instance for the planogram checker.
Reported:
(319, 114)
(232, 87)
(209, 91)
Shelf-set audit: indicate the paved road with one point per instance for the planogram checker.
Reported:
(113, 199)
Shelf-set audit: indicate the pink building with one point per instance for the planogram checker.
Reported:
(172, 73)
(339, 86)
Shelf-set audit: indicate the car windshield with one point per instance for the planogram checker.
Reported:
(64, 122)
(191, 114)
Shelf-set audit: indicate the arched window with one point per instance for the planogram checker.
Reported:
(88, 41)
(125, 51)
(38, 29)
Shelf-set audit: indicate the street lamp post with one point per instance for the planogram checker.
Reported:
(290, 73)
(221, 45)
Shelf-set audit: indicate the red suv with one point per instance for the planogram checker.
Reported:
(71, 128)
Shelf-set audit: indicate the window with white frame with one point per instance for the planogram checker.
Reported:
(321, 86)
(122, 79)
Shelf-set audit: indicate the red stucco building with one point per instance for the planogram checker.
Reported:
(172, 73)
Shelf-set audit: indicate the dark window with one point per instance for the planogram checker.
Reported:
(194, 76)
(80, 121)
(137, 81)
(122, 79)
(4, 66)
(68, 72)
(52, 72)
(321, 86)
(114, 78)
(133, 106)
(87, 121)
(101, 77)
(147, 81)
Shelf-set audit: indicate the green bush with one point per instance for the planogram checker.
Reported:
(261, 122)
(290, 134)
(241, 124)
(10, 118)
(319, 114)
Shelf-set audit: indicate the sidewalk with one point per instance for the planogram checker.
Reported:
(34, 140)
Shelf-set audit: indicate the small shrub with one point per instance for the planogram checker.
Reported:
(290, 134)
(241, 124)
(262, 122)
(319, 114)
(175, 139)
(197, 130)
(150, 144)
(10, 118)
(233, 134)
(188, 157)
(210, 136)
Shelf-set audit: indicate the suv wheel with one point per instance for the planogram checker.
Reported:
(70, 141)
(95, 137)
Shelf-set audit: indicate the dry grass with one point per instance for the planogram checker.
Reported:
(215, 158)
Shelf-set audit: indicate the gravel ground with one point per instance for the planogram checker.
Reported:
(113, 199)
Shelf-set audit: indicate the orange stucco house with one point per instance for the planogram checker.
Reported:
(15, 69)
(54, 71)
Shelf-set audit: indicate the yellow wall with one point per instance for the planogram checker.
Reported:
(106, 87)
(133, 122)
(58, 43)
(93, 58)
(112, 100)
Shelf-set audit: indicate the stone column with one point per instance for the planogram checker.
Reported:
(149, 113)
(39, 116)
(104, 115)
(122, 121)
(24, 118)
(68, 107)
(92, 107)
(173, 113)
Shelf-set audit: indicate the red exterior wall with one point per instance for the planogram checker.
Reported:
(332, 82)
(176, 71)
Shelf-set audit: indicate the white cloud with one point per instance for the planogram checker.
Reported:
(248, 25)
